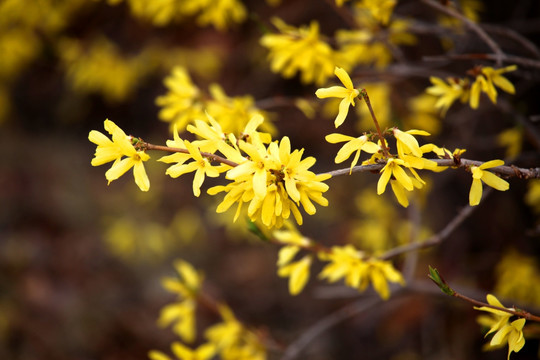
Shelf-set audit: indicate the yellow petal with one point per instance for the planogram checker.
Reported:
(141, 179)
(343, 111)
(494, 181)
(476, 192)
(383, 180)
(344, 77)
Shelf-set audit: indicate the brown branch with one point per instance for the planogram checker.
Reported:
(210, 156)
(508, 171)
(342, 314)
(438, 238)
(506, 58)
(471, 25)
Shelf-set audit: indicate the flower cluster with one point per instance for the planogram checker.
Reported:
(270, 178)
(300, 50)
(485, 80)
(358, 271)
(506, 332)
(229, 338)
(219, 13)
(182, 312)
(303, 50)
(185, 102)
(399, 169)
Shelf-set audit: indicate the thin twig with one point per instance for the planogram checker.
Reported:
(346, 312)
(506, 58)
(509, 171)
(438, 238)
(514, 35)
(471, 25)
(210, 156)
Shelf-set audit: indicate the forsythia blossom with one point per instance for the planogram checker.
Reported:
(182, 312)
(273, 180)
(347, 93)
(480, 175)
(499, 323)
(120, 147)
(233, 340)
(352, 145)
(299, 50)
(345, 262)
(455, 89)
(486, 81)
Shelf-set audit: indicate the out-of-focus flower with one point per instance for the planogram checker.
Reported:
(345, 262)
(300, 50)
(233, 340)
(182, 312)
(449, 92)
(486, 81)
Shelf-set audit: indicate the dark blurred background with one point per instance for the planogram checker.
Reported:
(81, 262)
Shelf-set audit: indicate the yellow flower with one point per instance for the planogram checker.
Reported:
(182, 352)
(182, 312)
(299, 50)
(353, 144)
(256, 167)
(518, 277)
(486, 82)
(381, 10)
(233, 340)
(114, 150)
(512, 140)
(297, 271)
(345, 262)
(234, 113)
(274, 181)
(200, 165)
(488, 178)
(181, 104)
(406, 143)
(448, 93)
(505, 332)
(393, 168)
(347, 93)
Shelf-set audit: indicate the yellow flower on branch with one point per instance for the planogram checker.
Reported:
(486, 81)
(347, 93)
(274, 181)
(480, 175)
(506, 332)
(114, 150)
(201, 165)
(353, 144)
(393, 168)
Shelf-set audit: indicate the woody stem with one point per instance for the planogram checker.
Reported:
(384, 147)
